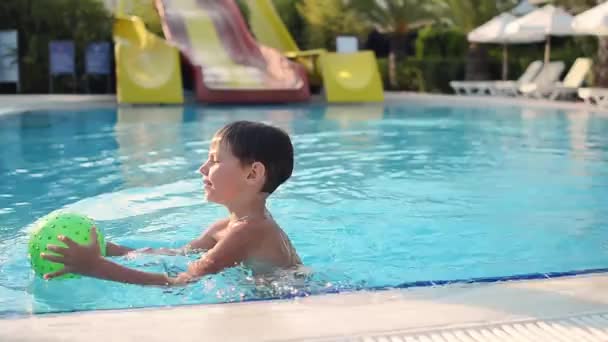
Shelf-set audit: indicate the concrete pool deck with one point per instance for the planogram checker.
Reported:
(573, 306)
(566, 309)
(19, 103)
(10, 104)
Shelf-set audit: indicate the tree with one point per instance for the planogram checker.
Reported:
(242, 5)
(325, 20)
(601, 60)
(467, 15)
(144, 9)
(292, 18)
(577, 6)
(396, 18)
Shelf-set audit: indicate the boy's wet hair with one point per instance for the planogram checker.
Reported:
(253, 141)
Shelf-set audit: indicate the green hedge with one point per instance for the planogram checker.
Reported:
(441, 57)
(566, 49)
(428, 74)
(440, 43)
(40, 21)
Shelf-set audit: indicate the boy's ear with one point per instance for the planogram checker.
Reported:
(257, 172)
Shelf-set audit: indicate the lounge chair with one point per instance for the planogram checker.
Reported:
(469, 88)
(497, 87)
(545, 78)
(594, 96)
(573, 80)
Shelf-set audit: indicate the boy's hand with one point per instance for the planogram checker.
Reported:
(81, 259)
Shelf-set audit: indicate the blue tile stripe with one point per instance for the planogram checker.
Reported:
(428, 283)
(406, 285)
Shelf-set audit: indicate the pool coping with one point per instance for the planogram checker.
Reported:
(330, 317)
(342, 290)
(588, 278)
(15, 104)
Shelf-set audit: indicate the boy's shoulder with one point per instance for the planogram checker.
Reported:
(218, 225)
(247, 229)
(224, 226)
(252, 230)
(221, 222)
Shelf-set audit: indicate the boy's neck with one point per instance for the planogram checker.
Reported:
(252, 208)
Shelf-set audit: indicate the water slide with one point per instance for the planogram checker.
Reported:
(227, 64)
(346, 77)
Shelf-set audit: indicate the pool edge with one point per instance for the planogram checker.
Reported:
(334, 315)
(15, 104)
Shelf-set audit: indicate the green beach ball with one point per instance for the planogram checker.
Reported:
(45, 231)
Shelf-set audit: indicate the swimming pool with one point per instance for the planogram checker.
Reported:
(382, 195)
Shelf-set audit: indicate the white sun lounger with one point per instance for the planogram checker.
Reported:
(497, 87)
(573, 80)
(545, 78)
(472, 87)
(594, 96)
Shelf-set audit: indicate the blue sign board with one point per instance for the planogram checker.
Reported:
(61, 54)
(9, 57)
(97, 59)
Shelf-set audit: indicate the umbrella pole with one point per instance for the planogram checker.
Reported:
(547, 49)
(505, 65)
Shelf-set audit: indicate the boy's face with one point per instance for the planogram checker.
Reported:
(224, 176)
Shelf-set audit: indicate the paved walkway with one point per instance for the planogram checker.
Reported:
(362, 316)
(18, 103)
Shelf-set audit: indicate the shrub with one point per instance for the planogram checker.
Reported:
(428, 75)
(437, 43)
(40, 21)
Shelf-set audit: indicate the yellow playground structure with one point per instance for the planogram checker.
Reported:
(346, 77)
(148, 67)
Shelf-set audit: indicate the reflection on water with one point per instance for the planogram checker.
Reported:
(282, 118)
(578, 127)
(149, 143)
(346, 114)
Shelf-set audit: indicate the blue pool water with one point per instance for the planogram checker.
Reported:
(381, 195)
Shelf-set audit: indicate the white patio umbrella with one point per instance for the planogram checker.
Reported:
(593, 21)
(493, 32)
(548, 20)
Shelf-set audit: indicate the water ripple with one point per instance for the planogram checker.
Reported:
(380, 195)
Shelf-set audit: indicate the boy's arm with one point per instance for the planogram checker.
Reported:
(108, 270)
(207, 240)
(229, 251)
(86, 260)
(113, 249)
(204, 242)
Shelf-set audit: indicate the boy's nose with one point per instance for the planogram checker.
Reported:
(203, 170)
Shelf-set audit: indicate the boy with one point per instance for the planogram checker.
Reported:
(247, 162)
